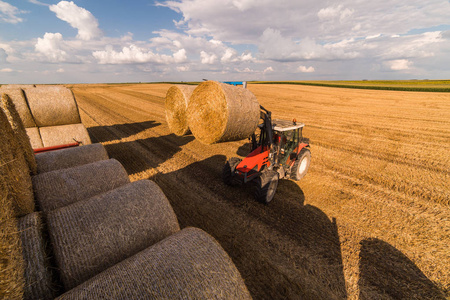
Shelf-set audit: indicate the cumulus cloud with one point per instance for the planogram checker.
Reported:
(399, 64)
(79, 18)
(304, 69)
(9, 13)
(50, 47)
(134, 54)
(208, 58)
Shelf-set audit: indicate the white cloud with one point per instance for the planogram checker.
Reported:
(399, 64)
(6, 70)
(38, 2)
(208, 58)
(268, 70)
(50, 47)
(134, 54)
(79, 18)
(335, 12)
(9, 13)
(304, 69)
(60, 70)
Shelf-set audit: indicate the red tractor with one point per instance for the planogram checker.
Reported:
(279, 151)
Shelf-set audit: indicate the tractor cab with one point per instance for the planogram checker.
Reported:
(287, 135)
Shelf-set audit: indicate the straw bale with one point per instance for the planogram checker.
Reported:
(11, 260)
(64, 134)
(14, 170)
(35, 137)
(19, 131)
(92, 235)
(17, 96)
(70, 157)
(38, 273)
(177, 99)
(187, 265)
(52, 105)
(62, 187)
(219, 112)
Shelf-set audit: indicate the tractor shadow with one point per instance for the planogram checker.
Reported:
(405, 280)
(101, 134)
(256, 236)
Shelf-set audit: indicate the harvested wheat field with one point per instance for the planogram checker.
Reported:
(371, 219)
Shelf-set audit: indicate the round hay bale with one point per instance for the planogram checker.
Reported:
(12, 279)
(17, 96)
(35, 137)
(218, 112)
(70, 157)
(19, 130)
(52, 105)
(189, 264)
(66, 186)
(38, 275)
(90, 236)
(177, 99)
(15, 171)
(64, 134)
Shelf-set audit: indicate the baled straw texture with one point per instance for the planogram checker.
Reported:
(177, 99)
(17, 96)
(38, 275)
(187, 265)
(63, 187)
(52, 105)
(35, 137)
(219, 112)
(70, 157)
(64, 134)
(90, 236)
(11, 261)
(19, 130)
(14, 170)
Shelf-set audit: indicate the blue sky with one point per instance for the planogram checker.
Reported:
(89, 41)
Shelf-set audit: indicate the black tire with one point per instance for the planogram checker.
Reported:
(301, 164)
(228, 170)
(266, 186)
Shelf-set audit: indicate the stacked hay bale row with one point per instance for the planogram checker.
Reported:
(213, 111)
(49, 113)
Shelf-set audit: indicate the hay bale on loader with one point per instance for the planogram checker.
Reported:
(218, 112)
(177, 100)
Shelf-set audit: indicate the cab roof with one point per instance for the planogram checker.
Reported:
(284, 125)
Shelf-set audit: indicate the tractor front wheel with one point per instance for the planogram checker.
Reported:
(266, 186)
(228, 170)
(301, 164)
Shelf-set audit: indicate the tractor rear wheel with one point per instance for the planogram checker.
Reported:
(228, 170)
(301, 164)
(266, 186)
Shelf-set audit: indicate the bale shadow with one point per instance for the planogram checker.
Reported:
(313, 271)
(101, 134)
(387, 273)
(244, 150)
(144, 154)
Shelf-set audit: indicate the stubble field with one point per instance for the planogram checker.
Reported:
(371, 219)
